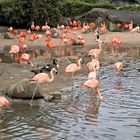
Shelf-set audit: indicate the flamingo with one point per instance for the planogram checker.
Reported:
(14, 51)
(118, 67)
(42, 78)
(93, 83)
(96, 52)
(94, 65)
(103, 28)
(92, 75)
(3, 103)
(37, 28)
(29, 31)
(23, 34)
(25, 58)
(73, 67)
(24, 48)
(33, 26)
(131, 25)
(136, 29)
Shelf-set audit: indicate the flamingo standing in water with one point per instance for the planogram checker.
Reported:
(96, 52)
(42, 78)
(3, 103)
(93, 83)
(72, 68)
(118, 67)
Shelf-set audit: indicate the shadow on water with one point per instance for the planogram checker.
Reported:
(86, 118)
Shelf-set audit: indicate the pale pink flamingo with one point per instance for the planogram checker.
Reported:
(10, 29)
(3, 103)
(73, 67)
(131, 25)
(94, 65)
(93, 83)
(136, 29)
(92, 75)
(29, 31)
(37, 28)
(33, 26)
(103, 27)
(66, 41)
(96, 52)
(14, 51)
(39, 37)
(42, 78)
(118, 67)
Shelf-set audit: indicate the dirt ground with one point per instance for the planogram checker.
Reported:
(10, 73)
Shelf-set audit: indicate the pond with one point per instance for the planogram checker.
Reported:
(83, 117)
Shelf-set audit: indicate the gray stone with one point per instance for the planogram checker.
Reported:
(7, 35)
(24, 90)
(114, 16)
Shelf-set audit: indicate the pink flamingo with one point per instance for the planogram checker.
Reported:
(93, 83)
(3, 103)
(72, 68)
(42, 78)
(118, 67)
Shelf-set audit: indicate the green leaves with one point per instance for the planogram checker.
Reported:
(22, 13)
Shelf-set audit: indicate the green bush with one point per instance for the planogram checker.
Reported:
(135, 7)
(72, 8)
(22, 13)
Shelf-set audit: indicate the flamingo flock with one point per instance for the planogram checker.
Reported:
(69, 35)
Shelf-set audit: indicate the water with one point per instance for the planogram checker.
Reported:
(84, 117)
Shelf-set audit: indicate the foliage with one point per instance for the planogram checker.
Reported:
(72, 8)
(132, 7)
(23, 12)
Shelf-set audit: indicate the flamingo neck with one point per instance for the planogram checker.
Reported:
(79, 64)
(100, 46)
(52, 77)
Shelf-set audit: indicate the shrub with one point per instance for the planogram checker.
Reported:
(135, 7)
(72, 8)
(22, 13)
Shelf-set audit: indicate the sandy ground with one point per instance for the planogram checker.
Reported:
(10, 73)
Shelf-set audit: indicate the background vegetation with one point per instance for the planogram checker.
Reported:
(20, 13)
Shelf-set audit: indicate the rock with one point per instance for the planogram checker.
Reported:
(113, 16)
(55, 33)
(56, 95)
(3, 28)
(7, 35)
(24, 90)
(120, 2)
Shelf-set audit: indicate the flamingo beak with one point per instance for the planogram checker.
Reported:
(56, 72)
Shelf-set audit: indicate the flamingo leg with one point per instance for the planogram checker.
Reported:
(72, 79)
(33, 95)
(99, 93)
(0, 111)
